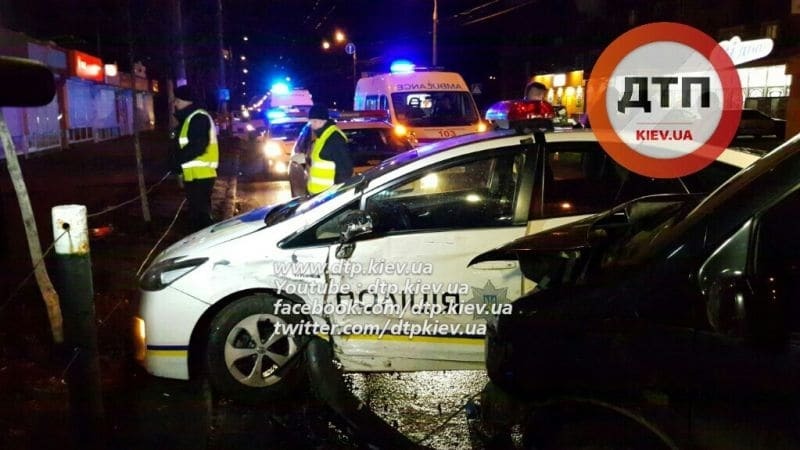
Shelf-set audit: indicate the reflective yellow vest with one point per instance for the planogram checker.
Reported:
(205, 165)
(322, 172)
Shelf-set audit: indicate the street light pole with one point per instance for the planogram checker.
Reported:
(355, 80)
(223, 104)
(435, 20)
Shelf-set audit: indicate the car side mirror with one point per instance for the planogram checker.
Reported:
(25, 82)
(353, 224)
(727, 303)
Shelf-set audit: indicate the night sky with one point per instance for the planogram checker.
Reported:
(507, 39)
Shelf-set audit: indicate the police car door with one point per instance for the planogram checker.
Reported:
(419, 306)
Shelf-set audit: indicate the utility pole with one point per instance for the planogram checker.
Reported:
(180, 58)
(136, 144)
(435, 21)
(223, 103)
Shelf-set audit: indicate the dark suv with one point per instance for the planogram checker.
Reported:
(669, 321)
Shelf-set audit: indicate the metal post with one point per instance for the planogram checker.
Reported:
(180, 59)
(355, 80)
(435, 20)
(74, 275)
(223, 105)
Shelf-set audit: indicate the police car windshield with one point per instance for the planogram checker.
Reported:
(395, 163)
(434, 108)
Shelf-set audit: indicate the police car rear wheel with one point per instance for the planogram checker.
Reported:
(247, 358)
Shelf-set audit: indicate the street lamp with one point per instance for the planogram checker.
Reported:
(349, 48)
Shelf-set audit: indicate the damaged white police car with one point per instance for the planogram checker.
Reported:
(377, 266)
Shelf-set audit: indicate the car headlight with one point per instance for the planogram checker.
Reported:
(272, 149)
(166, 272)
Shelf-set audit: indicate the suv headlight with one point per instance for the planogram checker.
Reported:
(166, 272)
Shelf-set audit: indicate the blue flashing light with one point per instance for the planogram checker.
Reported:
(280, 88)
(276, 114)
(402, 66)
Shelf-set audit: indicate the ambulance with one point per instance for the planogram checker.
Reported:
(429, 104)
(377, 266)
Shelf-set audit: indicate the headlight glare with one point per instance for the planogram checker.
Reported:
(272, 149)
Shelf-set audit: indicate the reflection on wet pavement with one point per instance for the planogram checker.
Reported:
(416, 403)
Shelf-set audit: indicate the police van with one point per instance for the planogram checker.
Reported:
(430, 104)
(377, 266)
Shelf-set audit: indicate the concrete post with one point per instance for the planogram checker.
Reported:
(74, 275)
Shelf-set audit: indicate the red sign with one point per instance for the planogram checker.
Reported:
(666, 100)
(86, 66)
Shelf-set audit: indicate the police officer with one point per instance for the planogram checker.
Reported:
(196, 156)
(330, 158)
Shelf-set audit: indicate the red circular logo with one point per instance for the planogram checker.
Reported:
(664, 100)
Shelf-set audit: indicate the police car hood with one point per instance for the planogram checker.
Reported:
(216, 234)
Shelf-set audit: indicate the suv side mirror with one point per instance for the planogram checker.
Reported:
(727, 303)
(353, 224)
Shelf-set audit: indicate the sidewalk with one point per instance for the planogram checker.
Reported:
(98, 175)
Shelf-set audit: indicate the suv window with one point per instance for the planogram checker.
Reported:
(472, 194)
(580, 178)
(710, 178)
(777, 260)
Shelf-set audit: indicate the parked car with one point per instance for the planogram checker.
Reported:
(397, 236)
(755, 123)
(370, 139)
(674, 317)
(276, 143)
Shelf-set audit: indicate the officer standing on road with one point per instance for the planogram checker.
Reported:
(196, 156)
(330, 158)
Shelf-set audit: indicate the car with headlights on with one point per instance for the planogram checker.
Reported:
(673, 319)
(375, 266)
(277, 141)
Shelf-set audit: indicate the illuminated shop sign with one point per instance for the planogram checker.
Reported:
(86, 66)
(743, 51)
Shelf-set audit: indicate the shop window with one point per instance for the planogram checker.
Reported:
(770, 30)
(776, 92)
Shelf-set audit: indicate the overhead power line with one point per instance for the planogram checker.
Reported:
(499, 13)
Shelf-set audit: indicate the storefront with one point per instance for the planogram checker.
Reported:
(567, 90)
(38, 128)
(79, 96)
(766, 88)
(44, 122)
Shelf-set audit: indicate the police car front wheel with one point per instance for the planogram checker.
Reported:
(248, 358)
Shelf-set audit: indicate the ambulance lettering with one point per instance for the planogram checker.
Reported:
(429, 86)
